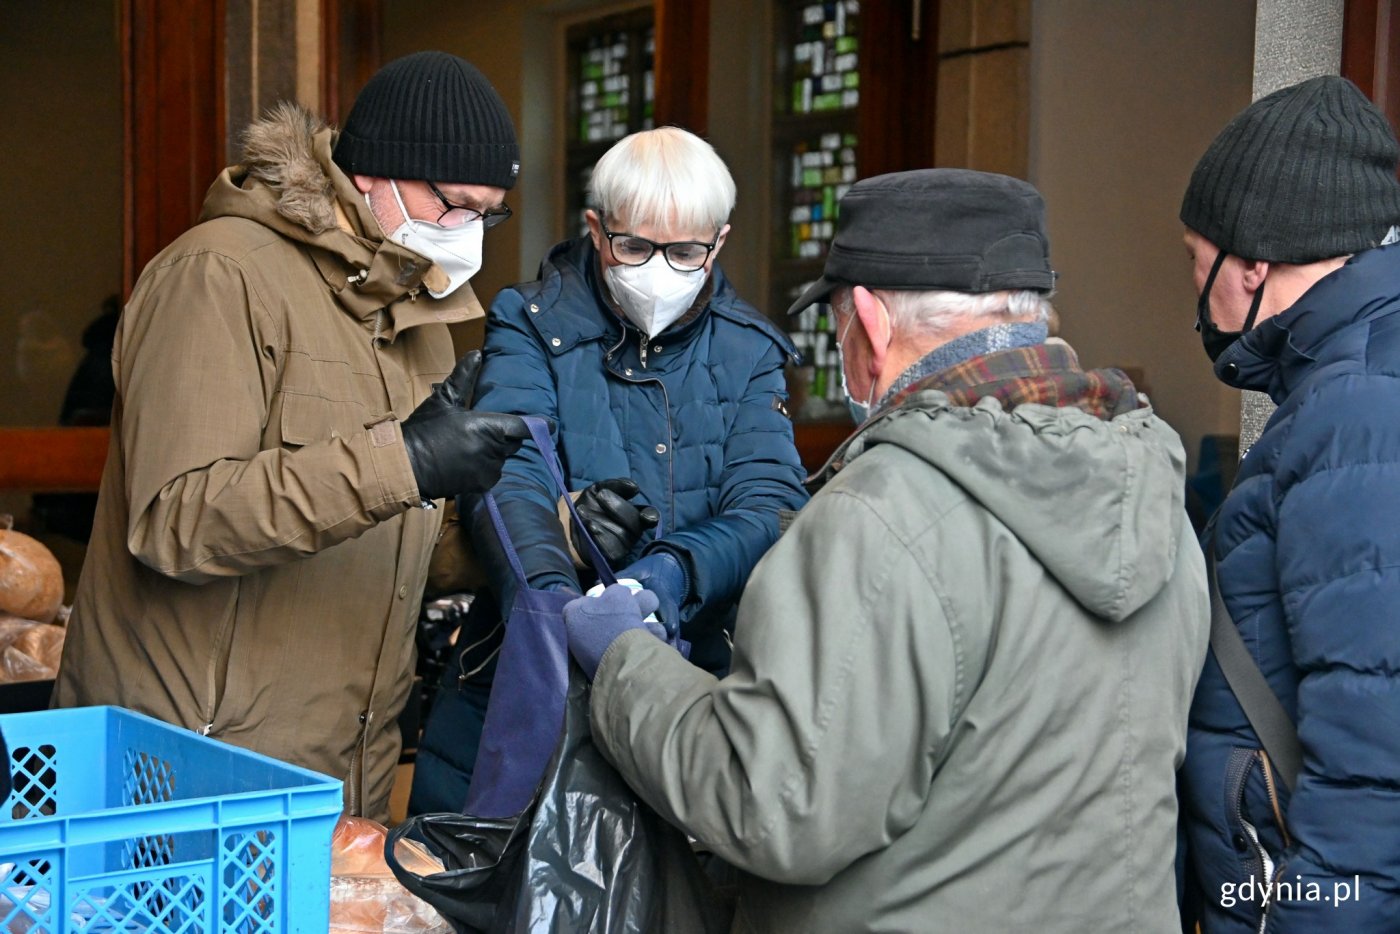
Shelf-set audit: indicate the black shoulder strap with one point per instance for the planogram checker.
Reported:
(1261, 705)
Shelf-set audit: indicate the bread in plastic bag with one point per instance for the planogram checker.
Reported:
(31, 579)
(365, 896)
(29, 650)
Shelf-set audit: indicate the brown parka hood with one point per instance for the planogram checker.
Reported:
(288, 183)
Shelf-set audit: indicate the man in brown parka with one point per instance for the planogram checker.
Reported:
(265, 519)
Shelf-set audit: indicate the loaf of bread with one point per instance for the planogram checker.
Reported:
(31, 581)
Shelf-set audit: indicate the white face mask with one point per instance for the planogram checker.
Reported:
(654, 296)
(454, 250)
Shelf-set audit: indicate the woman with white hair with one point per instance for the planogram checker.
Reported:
(651, 367)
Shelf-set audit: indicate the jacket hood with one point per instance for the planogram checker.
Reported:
(1101, 504)
(288, 183)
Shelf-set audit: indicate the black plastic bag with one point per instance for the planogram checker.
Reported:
(586, 856)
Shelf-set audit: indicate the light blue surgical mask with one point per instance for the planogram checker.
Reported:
(860, 411)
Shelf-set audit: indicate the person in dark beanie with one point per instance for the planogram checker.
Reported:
(265, 519)
(961, 676)
(1292, 779)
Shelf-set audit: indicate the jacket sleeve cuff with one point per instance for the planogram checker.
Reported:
(397, 488)
(682, 558)
(636, 650)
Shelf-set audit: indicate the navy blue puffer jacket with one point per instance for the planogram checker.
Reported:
(1309, 566)
(694, 416)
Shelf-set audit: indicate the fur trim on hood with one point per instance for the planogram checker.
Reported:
(278, 151)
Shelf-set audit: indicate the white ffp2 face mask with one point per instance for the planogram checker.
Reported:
(454, 250)
(654, 296)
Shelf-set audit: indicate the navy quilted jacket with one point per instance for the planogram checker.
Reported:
(1309, 565)
(695, 416)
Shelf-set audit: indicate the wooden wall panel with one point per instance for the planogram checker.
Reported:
(1371, 52)
(173, 98)
(52, 460)
(984, 85)
(898, 68)
(351, 52)
(683, 64)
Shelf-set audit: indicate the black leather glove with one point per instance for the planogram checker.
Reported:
(615, 524)
(453, 449)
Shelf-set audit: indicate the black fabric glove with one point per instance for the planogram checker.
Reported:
(615, 524)
(453, 449)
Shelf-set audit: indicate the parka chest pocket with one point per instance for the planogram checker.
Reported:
(313, 403)
(304, 419)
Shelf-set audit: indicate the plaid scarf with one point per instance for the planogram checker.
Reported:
(1041, 374)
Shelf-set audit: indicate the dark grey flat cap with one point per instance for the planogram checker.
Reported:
(954, 230)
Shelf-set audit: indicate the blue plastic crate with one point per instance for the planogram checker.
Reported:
(122, 823)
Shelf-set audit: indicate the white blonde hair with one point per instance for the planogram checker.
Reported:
(667, 178)
(919, 312)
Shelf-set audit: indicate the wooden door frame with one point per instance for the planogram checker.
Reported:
(1371, 52)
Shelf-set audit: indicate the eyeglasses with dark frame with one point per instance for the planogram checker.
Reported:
(681, 255)
(489, 217)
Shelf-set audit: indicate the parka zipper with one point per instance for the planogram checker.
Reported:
(356, 776)
(1265, 862)
(666, 397)
(1273, 799)
(1282, 829)
(463, 674)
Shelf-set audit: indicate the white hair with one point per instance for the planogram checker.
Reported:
(920, 312)
(667, 178)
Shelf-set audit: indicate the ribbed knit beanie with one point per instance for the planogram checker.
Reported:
(1303, 174)
(430, 116)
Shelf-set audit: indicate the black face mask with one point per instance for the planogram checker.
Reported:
(1215, 340)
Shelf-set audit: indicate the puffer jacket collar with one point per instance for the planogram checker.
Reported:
(1331, 321)
(569, 272)
(288, 183)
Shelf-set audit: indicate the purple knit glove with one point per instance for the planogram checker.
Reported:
(593, 623)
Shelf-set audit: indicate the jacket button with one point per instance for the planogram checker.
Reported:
(656, 348)
(403, 591)
(628, 372)
(1241, 842)
(534, 309)
(661, 449)
(1232, 370)
(555, 342)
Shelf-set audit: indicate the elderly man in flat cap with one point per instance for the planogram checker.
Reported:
(960, 682)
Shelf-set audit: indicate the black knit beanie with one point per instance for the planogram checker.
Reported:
(430, 116)
(1304, 174)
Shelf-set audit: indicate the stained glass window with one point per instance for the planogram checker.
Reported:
(824, 58)
(611, 93)
(815, 145)
(822, 169)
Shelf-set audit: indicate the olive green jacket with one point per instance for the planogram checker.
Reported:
(959, 689)
(256, 565)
